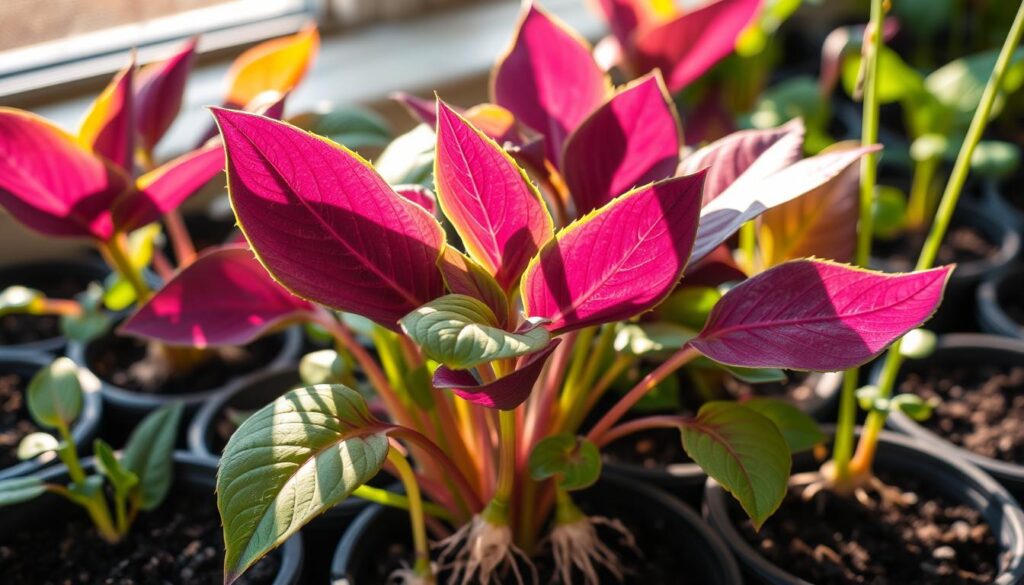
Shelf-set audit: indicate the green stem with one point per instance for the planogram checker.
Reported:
(507, 456)
(921, 205)
(748, 245)
(116, 250)
(419, 524)
(393, 500)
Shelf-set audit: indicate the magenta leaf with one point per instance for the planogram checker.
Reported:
(617, 261)
(504, 393)
(759, 152)
(687, 46)
(108, 128)
(419, 195)
(623, 18)
(465, 277)
(815, 315)
(632, 140)
(50, 183)
(325, 224)
(159, 88)
(488, 199)
(225, 297)
(422, 110)
(163, 189)
(548, 79)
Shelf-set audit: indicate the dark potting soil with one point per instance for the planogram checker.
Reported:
(17, 329)
(129, 363)
(836, 540)
(982, 408)
(179, 543)
(15, 422)
(962, 244)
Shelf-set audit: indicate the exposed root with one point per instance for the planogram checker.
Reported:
(480, 551)
(815, 482)
(577, 545)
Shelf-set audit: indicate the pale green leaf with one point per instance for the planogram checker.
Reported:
(55, 395)
(20, 489)
(797, 427)
(149, 453)
(574, 461)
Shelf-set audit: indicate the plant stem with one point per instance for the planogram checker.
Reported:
(921, 205)
(116, 250)
(464, 490)
(400, 501)
(748, 246)
(506, 457)
(641, 424)
(419, 526)
(867, 446)
(181, 241)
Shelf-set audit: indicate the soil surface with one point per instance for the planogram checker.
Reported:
(833, 540)
(17, 329)
(982, 408)
(15, 422)
(129, 363)
(962, 244)
(180, 542)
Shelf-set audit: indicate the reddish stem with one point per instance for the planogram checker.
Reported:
(641, 424)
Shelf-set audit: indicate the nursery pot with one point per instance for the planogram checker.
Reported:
(996, 308)
(55, 278)
(953, 478)
(956, 313)
(686, 480)
(672, 526)
(993, 198)
(965, 349)
(194, 478)
(25, 364)
(124, 407)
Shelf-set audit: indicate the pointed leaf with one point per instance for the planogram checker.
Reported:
(291, 461)
(276, 65)
(631, 140)
(50, 183)
(530, 80)
(192, 310)
(422, 110)
(159, 88)
(721, 218)
(465, 277)
(461, 333)
(505, 393)
(743, 451)
(20, 489)
(419, 195)
(618, 261)
(624, 17)
(325, 224)
(108, 128)
(797, 427)
(490, 201)
(108, 464)
(686, 47)
(574, 460)
(55, 395)
(821, 316)
(149, 454)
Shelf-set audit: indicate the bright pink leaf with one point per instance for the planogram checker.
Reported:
(623, 18)
(631, 140)
(325, 224)
(685, 47)
(108, 128)
(490, 201)
(422, 110)
(814, 315)
(618, 261)
(504, 393)
(163, 189)
(548, 79)
(419, 195)
(52, 184)
(159, 88)
(225, 297)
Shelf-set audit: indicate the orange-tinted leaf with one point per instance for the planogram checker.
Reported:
(108, 127)
(277, 65)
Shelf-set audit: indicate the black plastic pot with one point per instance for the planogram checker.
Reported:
(124, 408)
(32, 275)
(706, 557)
(992, 197)
(966, 349)
(26, 364)
(956, 479)
(686, 480)
(993, 294)
(192, 475)
(957, 310)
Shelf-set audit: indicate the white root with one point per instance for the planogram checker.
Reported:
(576, 545)
(480, 551)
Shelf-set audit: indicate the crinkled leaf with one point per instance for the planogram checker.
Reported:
(291, 461)
(159, 88)
(108, 128)
(575, 462)
(797, 427)
(814, 315)
(276, 65)
(505, 393)
(617, 261)
(55, 395)
(20, 489)
(149, 451)
(744, 452)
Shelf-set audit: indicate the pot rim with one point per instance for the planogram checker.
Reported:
(990, 309)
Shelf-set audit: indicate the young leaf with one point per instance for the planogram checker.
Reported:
(55, 395)
(291, 461)
(633, 139)
(20, 489)
(490, 201)
(617, 261)
(310, 208)
(419, 195)
(504, 393)
(159, 88)
(743, 451)
(35, 444)
(530, 80)
(461, 333)
(148, 454)
(574, 461)
(108, 464)
(797, 427)
(821, 316)
(49, 183)
(108, 128)
(276, 65)
(192, 310)
(465, 277)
